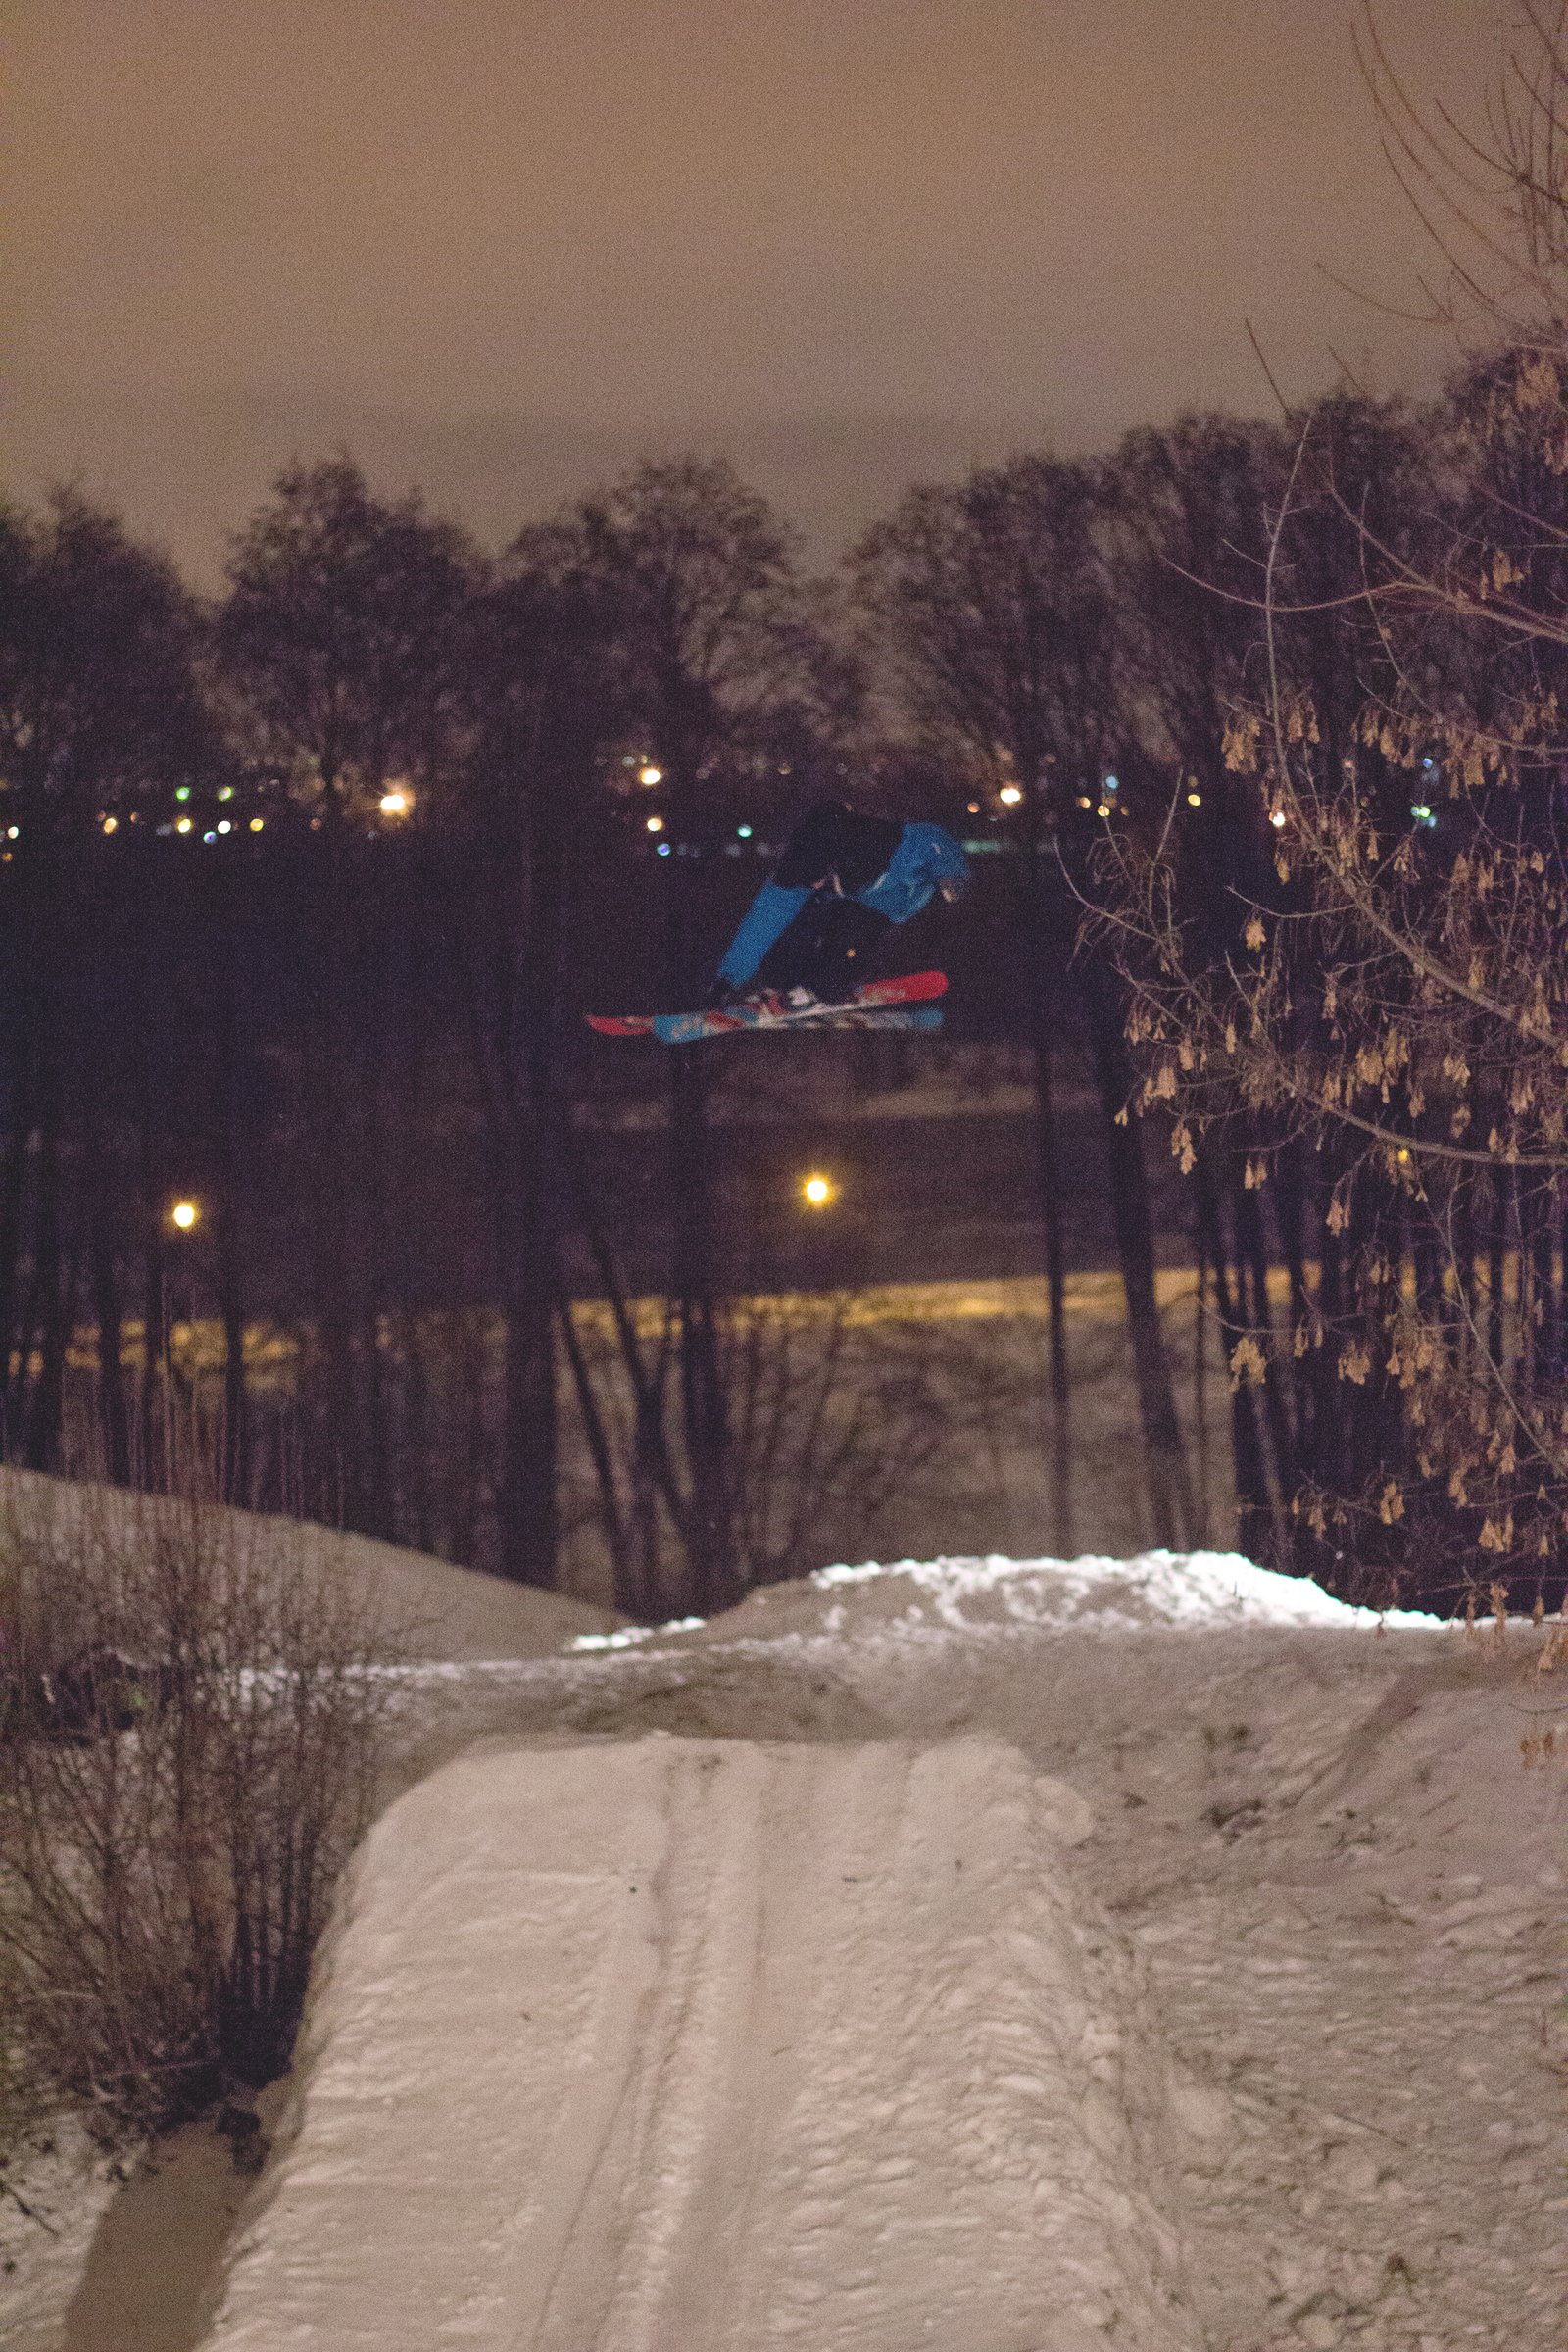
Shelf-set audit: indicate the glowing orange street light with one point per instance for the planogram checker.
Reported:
(395, 801)
(647, 773)
(185, 1215)
(818, 1190)
(1011, 795)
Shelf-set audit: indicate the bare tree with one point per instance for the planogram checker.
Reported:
(994, 599)
(708, 629)
(338, 644)
(1391, 996)
(101, 718)
(514, 833)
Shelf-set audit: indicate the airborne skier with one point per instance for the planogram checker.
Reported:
(815, 929)
(807, 946)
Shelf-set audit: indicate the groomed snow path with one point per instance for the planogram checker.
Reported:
(671, 2044)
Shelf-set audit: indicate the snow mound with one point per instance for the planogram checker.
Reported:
(1188, 1591)
(1157, 1588)
(435, 1610)
(720, 2045)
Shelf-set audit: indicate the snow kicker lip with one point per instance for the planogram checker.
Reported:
(619, 2046)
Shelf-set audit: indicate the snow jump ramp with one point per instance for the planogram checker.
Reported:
(674, 2045)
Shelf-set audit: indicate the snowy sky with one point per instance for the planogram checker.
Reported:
(504, 246)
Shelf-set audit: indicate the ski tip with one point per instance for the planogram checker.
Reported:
(620, 1024)
(906, 988)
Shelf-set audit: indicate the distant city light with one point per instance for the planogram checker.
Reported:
(1422, 812)
(13, 832)
(223, 825)
(226, 792)
(395, 803)
(1276, 817)
(183, 825)
(110, 824)
(818, 1190)
(182, 792)
(663, 849)
(649, 774)
(185, 1215)
(1194, 800)
(656, 825)
(256, 825)
(1083, 802)
(1113, 783)
(974, 807)
(209, 837)
(1011, 795)
(1103, 810)
(743, 832)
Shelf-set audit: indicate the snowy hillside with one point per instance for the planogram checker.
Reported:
(1148, 1953)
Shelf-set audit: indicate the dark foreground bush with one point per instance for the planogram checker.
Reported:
(194, 1718)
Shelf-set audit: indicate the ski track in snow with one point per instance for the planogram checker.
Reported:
(702, 2044)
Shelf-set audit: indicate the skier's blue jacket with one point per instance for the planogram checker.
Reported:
(925, 857)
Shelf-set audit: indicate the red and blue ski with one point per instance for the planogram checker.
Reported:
(902, 1003)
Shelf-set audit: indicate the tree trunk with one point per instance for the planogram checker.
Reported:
(1059, 1386)
(1169, 1487)
(229, 1244)
(705, 1419)
(108, 1313)
(154, 1439)
(526, 1505)
(1253, 1506)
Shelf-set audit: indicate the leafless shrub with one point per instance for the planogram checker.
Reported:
(833, 1409)
(193, 1724)
(836, 1410)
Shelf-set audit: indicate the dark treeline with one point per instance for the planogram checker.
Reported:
(305, 890)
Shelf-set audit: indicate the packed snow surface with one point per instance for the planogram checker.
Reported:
(1195, 1590)
(707, 2043)
(1244, 2022)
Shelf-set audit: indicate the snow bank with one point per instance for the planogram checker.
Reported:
(435, 1610)
(1188, 1591)
(624, 2046)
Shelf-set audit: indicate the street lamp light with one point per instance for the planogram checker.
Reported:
(185, 1215)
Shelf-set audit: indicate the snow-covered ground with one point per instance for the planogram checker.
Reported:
(1243, 2025)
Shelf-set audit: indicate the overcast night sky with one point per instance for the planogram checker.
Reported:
(504, 246)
